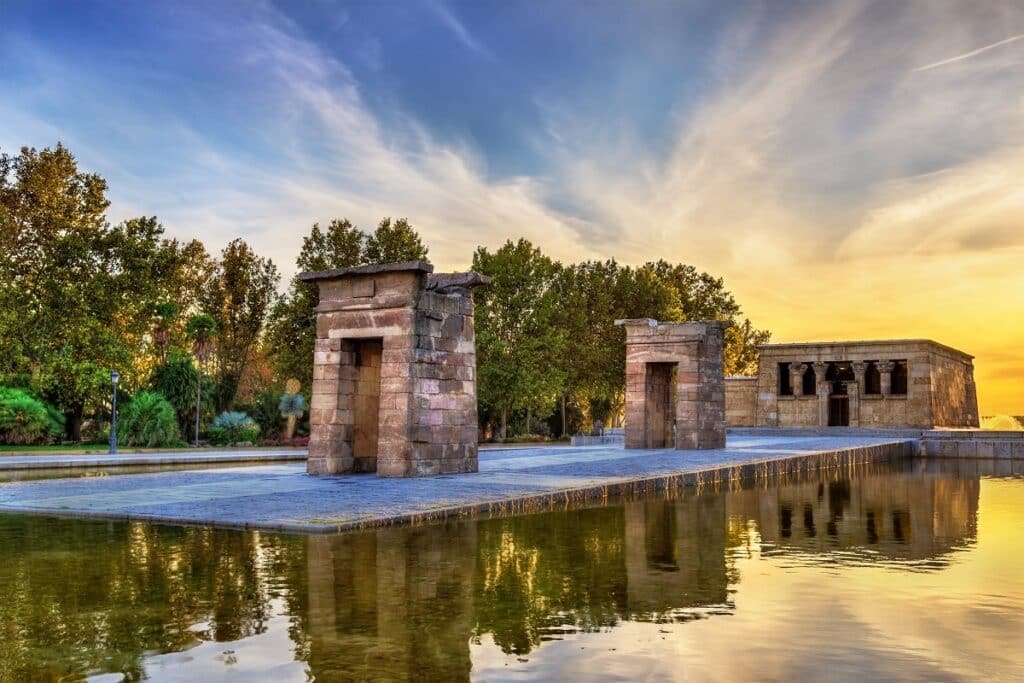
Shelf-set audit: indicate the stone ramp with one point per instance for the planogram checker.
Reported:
(283, 497)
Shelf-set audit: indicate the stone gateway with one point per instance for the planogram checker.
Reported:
(675, 384)
(394, 371)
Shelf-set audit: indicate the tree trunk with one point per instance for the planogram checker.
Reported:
(503, 432)
(529, 419)
(74, 423)
(289, 429)
(565, 430)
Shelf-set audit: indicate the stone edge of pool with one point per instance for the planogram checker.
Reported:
(531, 503)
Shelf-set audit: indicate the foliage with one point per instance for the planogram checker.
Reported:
(177, 380)
(148, 420)
(238, 297)
(518, 344)
(394, 242)
(264, 410)
(25, 419)
(292, 405)
(231, 428)
(76, 295)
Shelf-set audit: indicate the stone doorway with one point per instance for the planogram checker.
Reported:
(661, 404)
(367, 355)
(839, 409)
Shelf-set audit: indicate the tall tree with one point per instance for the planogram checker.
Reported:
(238, 297)
(518, 342)
(77, 295)
(393, 242)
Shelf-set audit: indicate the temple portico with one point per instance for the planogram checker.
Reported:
(897, 383)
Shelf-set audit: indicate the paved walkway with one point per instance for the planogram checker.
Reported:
(57, 461)
(283, 497)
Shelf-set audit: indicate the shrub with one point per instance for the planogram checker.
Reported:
(230, 428)
(176, 380)
(264, 412)
(148, 420)
(25, 419)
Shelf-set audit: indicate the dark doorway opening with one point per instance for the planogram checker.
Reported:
(366, 403)
(661, 405)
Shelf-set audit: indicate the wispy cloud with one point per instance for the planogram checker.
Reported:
(972, 53)
(458, 29)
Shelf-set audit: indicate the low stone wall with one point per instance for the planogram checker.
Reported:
(606, 440)
(972, 443)
(740, 401)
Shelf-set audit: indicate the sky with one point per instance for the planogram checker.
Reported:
(853, 169)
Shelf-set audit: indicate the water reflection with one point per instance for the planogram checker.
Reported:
(86, 598)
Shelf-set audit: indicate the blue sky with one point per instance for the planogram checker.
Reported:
(823, 156)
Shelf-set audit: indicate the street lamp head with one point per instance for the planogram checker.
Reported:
(114, 376)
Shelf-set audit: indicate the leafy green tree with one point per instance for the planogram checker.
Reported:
(394, 242)
(238, 297)
(177, 380)
(77, 295)
(518, 342)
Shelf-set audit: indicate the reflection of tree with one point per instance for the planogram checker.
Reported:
(82, 597)
(539, 573)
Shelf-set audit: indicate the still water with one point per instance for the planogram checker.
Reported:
(900, 572)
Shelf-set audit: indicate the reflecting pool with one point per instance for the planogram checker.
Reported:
(912, 572)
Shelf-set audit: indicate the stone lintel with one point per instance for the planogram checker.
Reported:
(370, 269)
(443, 282)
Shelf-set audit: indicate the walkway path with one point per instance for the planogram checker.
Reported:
(56, 461)
(282, 496)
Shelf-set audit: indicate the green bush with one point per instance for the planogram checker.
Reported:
(265, 413)
(176, 380)
(25, 419)
(148, 420)
(230, 428)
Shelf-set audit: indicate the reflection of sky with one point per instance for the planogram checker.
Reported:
(267, 657)
(805, 621)
(864, 156)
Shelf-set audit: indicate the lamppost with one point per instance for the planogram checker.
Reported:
(114, 377)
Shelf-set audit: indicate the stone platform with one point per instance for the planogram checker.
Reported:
(283, 497)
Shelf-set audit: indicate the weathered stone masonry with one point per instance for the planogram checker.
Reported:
(675, 386)
(891, 383)
(394, 371)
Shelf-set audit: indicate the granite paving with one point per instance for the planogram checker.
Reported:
(62, 460)
(283, 497)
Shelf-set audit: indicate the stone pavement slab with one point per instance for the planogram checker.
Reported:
(284, 497)
(57, 461)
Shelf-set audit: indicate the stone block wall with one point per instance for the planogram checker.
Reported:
(940, 385)
(695, 349)
(397, 342)
(740, 401)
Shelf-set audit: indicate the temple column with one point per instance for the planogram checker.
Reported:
(820, 370)
(853, 395)
(796, 378)
(885, 368)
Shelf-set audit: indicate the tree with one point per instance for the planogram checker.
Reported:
(77, 296)
(238, 297)
(518, 340)
(394, 242)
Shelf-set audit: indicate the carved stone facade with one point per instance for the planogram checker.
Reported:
(675, 392)
(898, 383)
(394, 371)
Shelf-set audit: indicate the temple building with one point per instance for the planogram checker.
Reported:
(908, 383)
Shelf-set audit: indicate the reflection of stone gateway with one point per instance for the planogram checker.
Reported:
(675, 387)
(394, 374)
